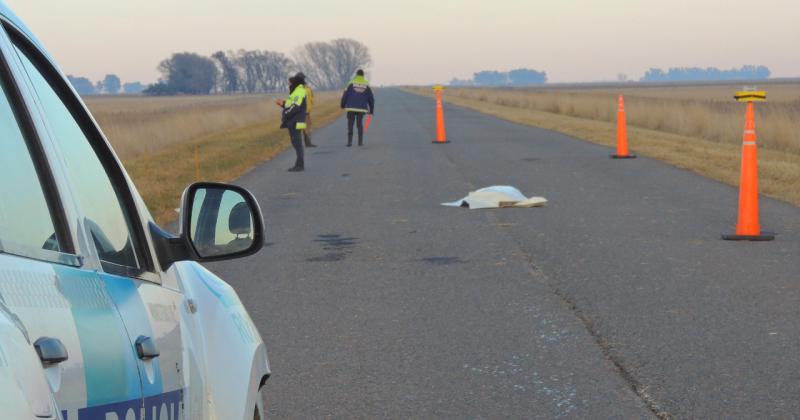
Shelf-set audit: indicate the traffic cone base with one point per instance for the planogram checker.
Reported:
(763, 237)
(440, 142)
(628, 156)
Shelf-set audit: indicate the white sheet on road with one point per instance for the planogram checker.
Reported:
(497, 196)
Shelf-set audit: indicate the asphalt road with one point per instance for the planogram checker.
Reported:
(617, 300)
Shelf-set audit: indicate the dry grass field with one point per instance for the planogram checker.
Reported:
(693, 127)
(162, 141)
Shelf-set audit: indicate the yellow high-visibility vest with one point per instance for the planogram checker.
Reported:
(309, 99)
(296, 98)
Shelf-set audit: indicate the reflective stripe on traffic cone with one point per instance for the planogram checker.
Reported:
(622, 133)
(748, 227)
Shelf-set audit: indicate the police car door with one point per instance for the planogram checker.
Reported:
(112, 234)
(45, 286)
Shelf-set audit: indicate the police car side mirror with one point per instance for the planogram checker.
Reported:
(217, 222)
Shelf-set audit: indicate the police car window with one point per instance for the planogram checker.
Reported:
(96, 195)
(25, 221)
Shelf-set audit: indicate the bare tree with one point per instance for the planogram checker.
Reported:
(331, 65)
(349, 56)
(276, 69)
(247, 61)
(229, 80)
(315, 60)
(263, 71)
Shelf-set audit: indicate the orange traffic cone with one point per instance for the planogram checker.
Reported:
(367, 123)
(441, 135)
(748, 227)
(622, 133)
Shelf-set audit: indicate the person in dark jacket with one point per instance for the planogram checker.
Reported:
(357, 100)
(293, 118)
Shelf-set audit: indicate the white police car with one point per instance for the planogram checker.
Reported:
(103, 315)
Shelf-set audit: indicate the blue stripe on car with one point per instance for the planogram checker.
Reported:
(110, 367)
(124, 294)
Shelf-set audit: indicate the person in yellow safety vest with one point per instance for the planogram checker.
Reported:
(309, 106)
(293, 118)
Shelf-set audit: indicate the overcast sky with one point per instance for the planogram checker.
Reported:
(427, 41)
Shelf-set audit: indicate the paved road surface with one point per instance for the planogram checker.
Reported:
(615, 301)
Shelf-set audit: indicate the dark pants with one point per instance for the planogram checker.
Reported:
(297, 142)
(358, 119)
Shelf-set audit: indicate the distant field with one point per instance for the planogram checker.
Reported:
(157, 139)
(694, 127)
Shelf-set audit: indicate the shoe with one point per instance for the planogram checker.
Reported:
(349, 144)
(360, 144)
(296, 169)
(311, 145)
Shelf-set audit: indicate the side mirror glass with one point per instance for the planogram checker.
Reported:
(218, 222)
(221, 221)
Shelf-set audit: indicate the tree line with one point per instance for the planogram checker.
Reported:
(695, 74)
(518, 77)
(530, 77)
(110, 85)
(327, 65)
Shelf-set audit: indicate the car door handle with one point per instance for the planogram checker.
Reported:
(51, 351)
(146, 348)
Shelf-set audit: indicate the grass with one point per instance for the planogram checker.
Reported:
(164, 141)
(140, 125)
(698, 128)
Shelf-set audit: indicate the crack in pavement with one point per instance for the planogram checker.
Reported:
(638, 389)
(537, 274)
